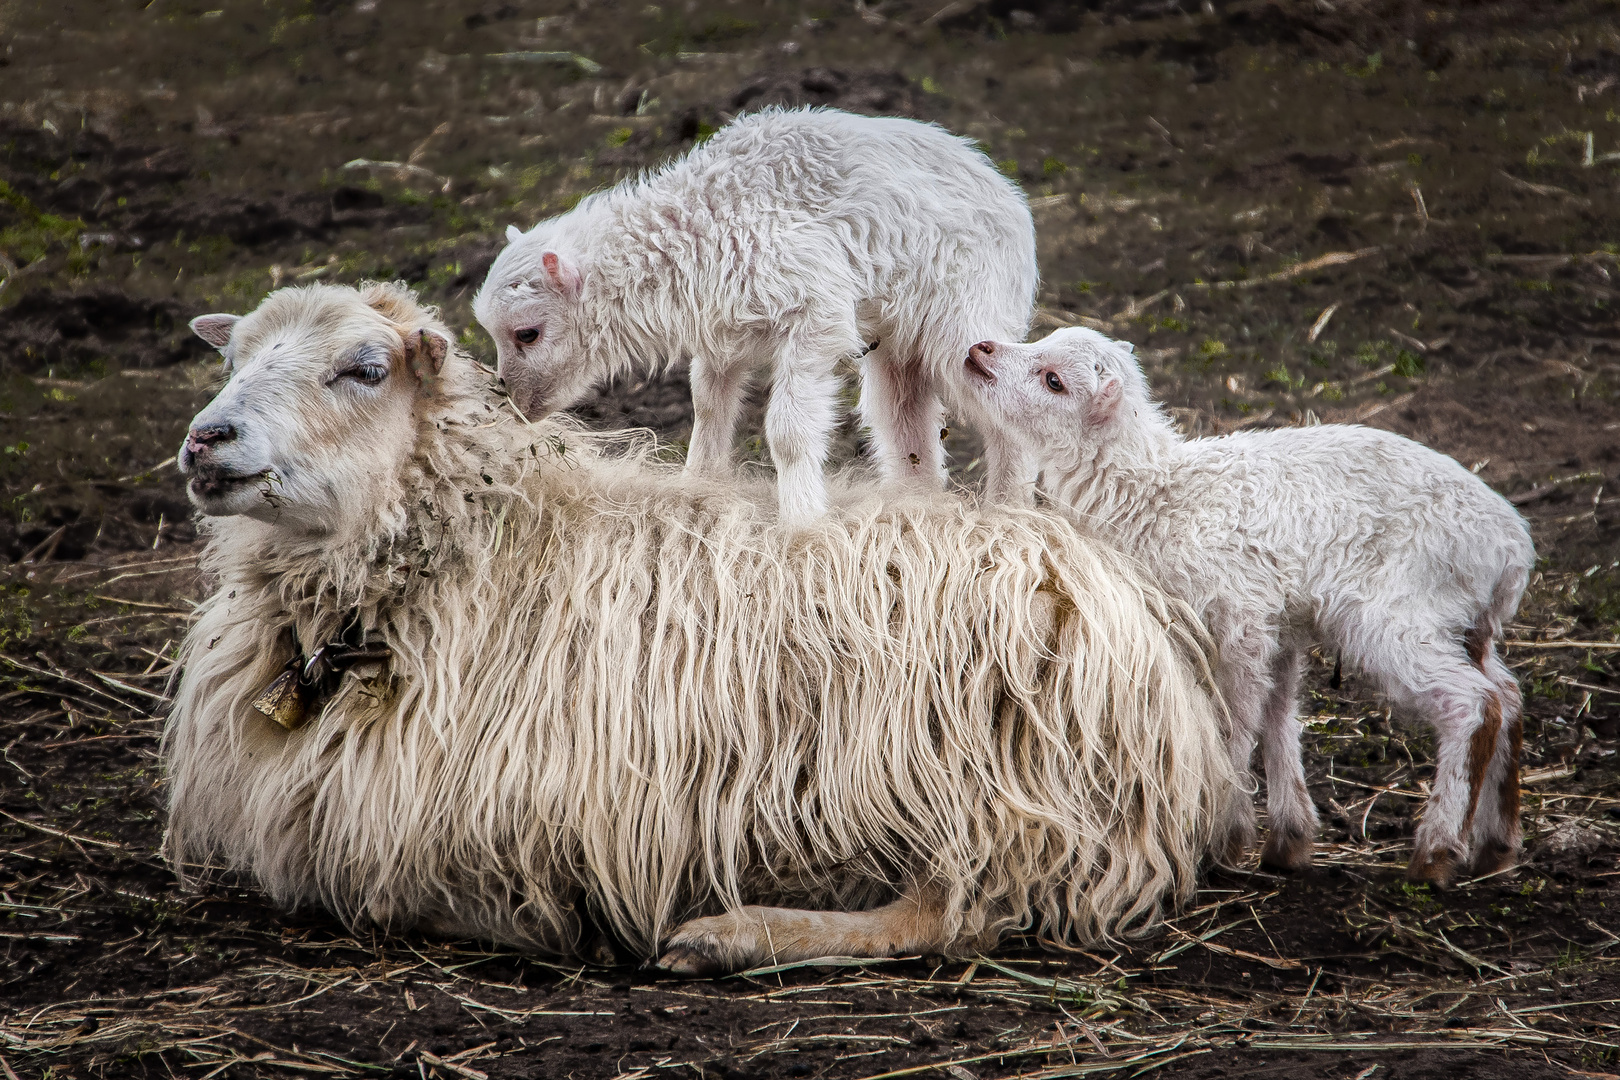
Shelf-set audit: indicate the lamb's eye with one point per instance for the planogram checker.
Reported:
(528, 335)
(1053, 383)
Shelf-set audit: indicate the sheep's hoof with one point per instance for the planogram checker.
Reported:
(693, 961)
(1494, 856)
(1287, 849)
(1435, 868)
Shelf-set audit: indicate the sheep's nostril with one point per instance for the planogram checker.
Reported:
(203, 438)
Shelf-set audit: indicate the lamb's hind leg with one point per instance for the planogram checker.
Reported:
(1496, 833)
(898, 403)
(1466, 711)
(754, 936)
(1292, 815)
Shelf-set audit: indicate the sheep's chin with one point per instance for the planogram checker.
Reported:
(229, 496)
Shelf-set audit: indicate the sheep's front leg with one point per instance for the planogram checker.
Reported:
(798, 424)
(755, 936)
(717, 394)
(1288, 800)
(900, 406)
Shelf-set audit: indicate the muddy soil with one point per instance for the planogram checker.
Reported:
(1379, 211)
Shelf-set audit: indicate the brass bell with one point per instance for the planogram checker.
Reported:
(284, 701)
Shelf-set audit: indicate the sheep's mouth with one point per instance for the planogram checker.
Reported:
(979, 369)
(217, 485)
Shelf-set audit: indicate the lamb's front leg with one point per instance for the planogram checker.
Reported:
(717, 393)
(1246, 684)
(899, 405)
(1292, 815)
(755, 936)
(799, 422)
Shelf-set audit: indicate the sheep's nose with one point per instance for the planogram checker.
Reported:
(201, 439)
(983, 349)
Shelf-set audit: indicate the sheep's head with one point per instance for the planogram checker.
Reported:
(321, 408)
(529, 304)
(1060, 391)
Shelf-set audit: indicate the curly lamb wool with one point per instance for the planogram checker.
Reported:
(791, 241)
(625, 694)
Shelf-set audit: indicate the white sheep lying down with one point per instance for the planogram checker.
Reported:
(790, 241)
(1393, 554)
(620, 692)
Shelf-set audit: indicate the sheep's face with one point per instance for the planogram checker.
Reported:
(1052, 393)
(530, 305)
(318, 414)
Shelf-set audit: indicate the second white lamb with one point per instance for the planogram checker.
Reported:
(1374, 545)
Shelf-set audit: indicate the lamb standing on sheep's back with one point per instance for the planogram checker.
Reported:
(620, 694)
(790, 241)
(1395, 555)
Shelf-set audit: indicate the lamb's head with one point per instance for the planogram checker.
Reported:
(530, 305)
(1070, 389)
(322, 409)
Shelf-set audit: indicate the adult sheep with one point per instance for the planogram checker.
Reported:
(789, 241)
(617, 693)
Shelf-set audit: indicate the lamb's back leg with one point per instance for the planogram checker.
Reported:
(1427, 671)
(900, 406)
(1496, 834)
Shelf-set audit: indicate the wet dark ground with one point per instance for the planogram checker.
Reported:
(1436, 182)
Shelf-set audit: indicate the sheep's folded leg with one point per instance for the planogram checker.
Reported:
(755, 936)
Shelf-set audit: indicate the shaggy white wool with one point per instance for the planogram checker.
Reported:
(1393, 554)
(620, 691)
(790, 241)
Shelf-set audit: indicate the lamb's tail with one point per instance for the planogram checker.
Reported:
(1481, 638)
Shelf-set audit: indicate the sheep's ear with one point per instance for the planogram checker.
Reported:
(215, 329)
(513, 234)
(563, 273)
(1105, 402)
(425, 351)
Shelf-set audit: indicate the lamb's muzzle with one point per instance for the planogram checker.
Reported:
(979, 362)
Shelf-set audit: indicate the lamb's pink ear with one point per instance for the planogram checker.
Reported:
(563, 273)
(1105, 402)
(513, 234)
(215, 329)
(425, 351)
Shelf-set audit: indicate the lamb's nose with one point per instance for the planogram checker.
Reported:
(200, 439)
(982, 350)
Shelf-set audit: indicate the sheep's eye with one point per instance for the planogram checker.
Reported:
(1053, 383)
(367, 374)
(528, 335)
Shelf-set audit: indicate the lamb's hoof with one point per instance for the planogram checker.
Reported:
(1435, 868)
(1493, 857)
(691, 961)
(1287, 849)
